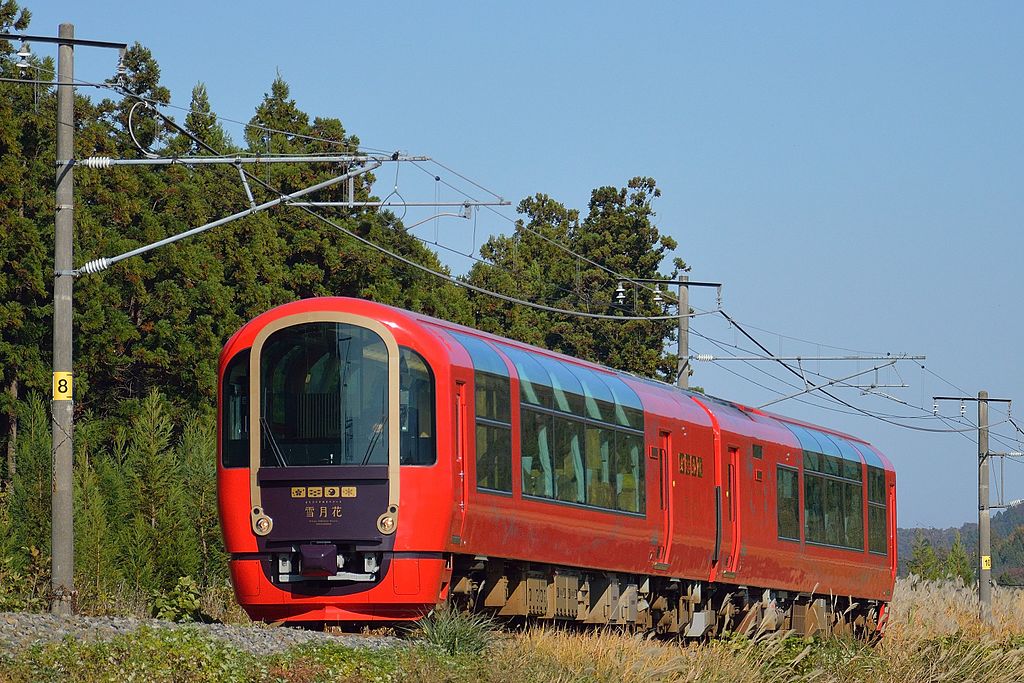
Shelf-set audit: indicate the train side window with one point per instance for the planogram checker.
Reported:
(598, 473)
(877, 517)
(535, 444)
(568, 460)
(833, 504)
(788, 503)
(492, 389)
(234, 448)
(416, 410)
(629, 472)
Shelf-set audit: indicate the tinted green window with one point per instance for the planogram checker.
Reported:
(600, 442)
(568, 461)
(493, 464)
(492, 397)
(788, 502)
(814, 508)
(833, 511)
(853, 516)
(876, 485)
(535, 446)
(234, 450)
(629, 472)
(757, 450)
(877, 514)
(877, 531)
(492, 392)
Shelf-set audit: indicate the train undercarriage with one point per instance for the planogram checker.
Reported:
(667, 606)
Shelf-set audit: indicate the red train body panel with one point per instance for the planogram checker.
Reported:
(709, 480)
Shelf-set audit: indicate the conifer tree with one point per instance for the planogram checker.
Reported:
(619, 233)
(30, 491)
(923, 560)
(26, 113)
(958, 564)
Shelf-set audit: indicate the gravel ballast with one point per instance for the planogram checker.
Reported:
(20, 630)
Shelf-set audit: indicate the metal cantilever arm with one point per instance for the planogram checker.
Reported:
(97, 265)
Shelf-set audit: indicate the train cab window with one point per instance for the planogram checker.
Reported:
(234, 447)
(324, 396)
(416, 410)
(492, 389)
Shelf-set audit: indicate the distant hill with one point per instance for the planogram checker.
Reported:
(1007, 543)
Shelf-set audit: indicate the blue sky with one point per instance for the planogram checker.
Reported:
(852, 173)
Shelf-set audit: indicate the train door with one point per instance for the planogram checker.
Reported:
(666, 486)
(732, 508)
(460, 484)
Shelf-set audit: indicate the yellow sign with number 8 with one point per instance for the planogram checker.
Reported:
(62, 386)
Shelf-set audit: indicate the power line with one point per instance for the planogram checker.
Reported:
(410, 262)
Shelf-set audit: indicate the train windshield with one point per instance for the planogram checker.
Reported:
(324, 399)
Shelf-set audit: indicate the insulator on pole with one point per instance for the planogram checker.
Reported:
(705, 357)
(93, 267)
(96, 162)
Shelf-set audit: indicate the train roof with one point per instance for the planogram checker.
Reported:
(730, 415)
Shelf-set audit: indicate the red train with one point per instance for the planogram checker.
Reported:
(374, 462)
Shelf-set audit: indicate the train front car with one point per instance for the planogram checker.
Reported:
(327, 416)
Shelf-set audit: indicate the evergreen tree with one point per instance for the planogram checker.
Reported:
(958, 564)
(197, 451)
(923, 560)
(97, 571)
(156, 545)
(30, 491)
(26, 115)
(619, 233)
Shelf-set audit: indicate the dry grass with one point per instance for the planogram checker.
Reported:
(934, 634)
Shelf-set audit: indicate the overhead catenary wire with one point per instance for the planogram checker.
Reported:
(461, 283)
(410, 262)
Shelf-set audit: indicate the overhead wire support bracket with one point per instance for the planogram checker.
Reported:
(387, 204)
(99, 264)
(107, 162)
(712, 358)
(245, 184)
(833, 382)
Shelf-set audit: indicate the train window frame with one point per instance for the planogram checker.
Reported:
(878, 534)
(795, 473)
(288, 369)
(839, 525)
(239, 457)
(612, 479)
(412, 406)
(492, 411)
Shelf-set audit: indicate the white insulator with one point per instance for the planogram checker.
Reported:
(705, 357)
(93, 267)
(96, 162)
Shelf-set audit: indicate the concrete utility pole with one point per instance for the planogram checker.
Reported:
(683, 300)
(984, 505)
(62, 521)
(984, 514)
(683, 346)
(62, 531)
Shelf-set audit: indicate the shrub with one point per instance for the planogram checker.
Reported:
(454, 632)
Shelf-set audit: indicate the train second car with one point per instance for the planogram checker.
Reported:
(375, 462)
